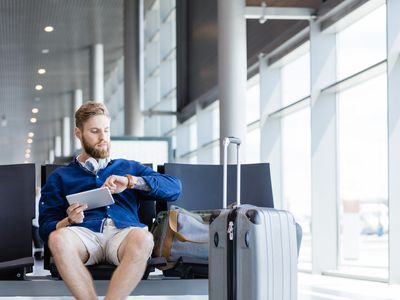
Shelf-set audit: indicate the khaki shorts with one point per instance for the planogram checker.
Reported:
(103, 246)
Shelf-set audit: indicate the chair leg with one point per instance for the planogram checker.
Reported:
(146, 274)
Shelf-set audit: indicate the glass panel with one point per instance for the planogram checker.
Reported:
(167, 123)
(152, 58)
(160, 63)
(167, 78)
(193, 159)
(193, 135)
(186, 138)
(166, 6)
(363, 178)
(215, 123)
(215, 150)
(253, 146)
(296, 176)
(190, 159)
(151, 126)
(362, 44)
(296, 80)
(152, 92)
(167, 38)
(152, 23)
(206, 155)
(253, 100)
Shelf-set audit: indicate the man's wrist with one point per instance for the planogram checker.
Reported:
(131, 181)
(137, 182)
(64, 223)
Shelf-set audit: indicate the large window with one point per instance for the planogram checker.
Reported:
(284, 121)
(296, 147)
(252, 120)
(362, 149)
(296, 77)
(296, 170)
(159, 66)
(363, 177)
(362, 44)
(253, 100)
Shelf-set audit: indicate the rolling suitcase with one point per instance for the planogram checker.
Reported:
(253, 250)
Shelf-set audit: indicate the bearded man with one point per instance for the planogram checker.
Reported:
(79, 237)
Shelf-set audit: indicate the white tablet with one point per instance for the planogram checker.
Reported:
(93, 198)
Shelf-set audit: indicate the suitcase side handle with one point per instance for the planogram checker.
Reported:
(226, 142)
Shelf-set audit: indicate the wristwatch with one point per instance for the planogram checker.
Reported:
(131, 181)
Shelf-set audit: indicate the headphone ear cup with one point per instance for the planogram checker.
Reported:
(92, 164)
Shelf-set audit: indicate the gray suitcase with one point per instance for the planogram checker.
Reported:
(253, 250)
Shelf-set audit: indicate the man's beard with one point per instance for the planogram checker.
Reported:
(96, 153)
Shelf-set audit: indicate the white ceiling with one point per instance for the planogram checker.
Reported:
(77, 25)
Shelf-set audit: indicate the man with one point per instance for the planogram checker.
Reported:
(78, 237)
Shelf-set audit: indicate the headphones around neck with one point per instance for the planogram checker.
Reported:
(93, 165)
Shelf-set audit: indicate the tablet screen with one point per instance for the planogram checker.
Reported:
(93, 198)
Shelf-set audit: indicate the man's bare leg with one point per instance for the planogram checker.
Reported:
(69, 253)
(133, 254)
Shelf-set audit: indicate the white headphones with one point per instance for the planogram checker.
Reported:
(92, 165)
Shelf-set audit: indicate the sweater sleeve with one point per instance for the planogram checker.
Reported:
(162, 186)
(52, 206)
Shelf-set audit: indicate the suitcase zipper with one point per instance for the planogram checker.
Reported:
(231, 256)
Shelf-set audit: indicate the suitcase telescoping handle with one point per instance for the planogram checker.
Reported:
(227, 141)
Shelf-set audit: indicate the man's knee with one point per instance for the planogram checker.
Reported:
(58, 240)
(140, 242)
(64, 242)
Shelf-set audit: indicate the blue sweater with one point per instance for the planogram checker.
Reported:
(124, 212)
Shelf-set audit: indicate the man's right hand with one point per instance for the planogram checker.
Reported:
(75, 213)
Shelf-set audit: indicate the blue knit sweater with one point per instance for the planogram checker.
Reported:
(124, 212)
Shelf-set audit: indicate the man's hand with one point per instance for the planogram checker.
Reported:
(75, 213)
(116, 183)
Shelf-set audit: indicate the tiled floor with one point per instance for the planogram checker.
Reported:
(311, 287)
(316, 287)
(39, 286)
(371, 260)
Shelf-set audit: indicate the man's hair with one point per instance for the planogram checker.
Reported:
(87, 110)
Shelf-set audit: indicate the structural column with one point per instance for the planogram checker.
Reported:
(97, 73)
(77, 97)
(393, 70)
(132, 93)
(51, 156)
(66, 136)
(232, 71)
(57, 146)
(270, 126)
(324, 186)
